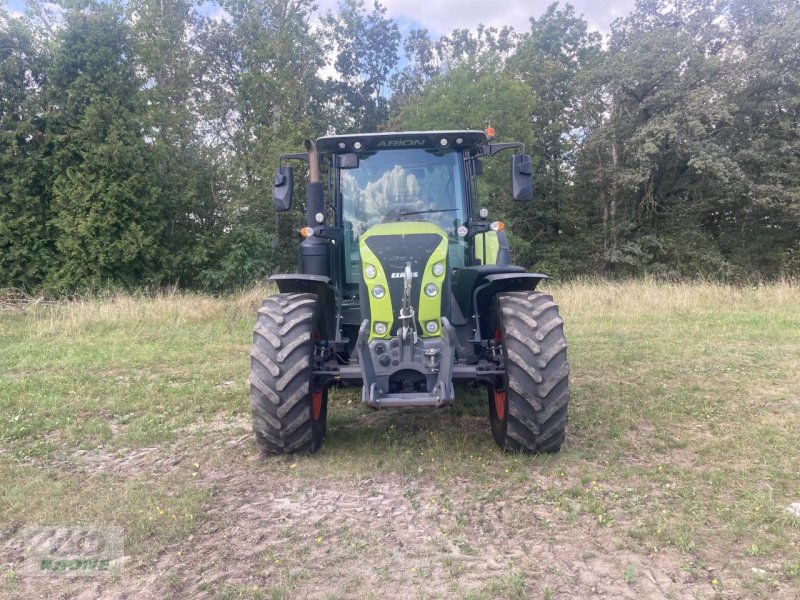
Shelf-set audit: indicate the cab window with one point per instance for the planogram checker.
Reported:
(403, 185)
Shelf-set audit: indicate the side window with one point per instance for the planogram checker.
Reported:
(352, 222)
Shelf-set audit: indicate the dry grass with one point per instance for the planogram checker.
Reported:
(681, 458)
(587, 296)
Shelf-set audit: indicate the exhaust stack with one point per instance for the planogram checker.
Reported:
(314, 200)
(314, 250)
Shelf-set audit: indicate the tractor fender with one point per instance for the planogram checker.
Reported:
(497, 283)
(327, 295)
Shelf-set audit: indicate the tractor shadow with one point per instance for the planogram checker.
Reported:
(354, 428)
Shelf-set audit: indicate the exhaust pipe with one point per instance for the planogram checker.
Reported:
(314, 201)
(313, 250)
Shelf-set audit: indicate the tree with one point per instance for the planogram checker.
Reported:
(162, 36)
(423, 62)
(365, 45)
(462, 100)
(106, 219)
(260, 96)
(658, 81)
(138, 138)
(677, 160)
(759, 227)
(551, 58)
(26, 249)
(483, 51)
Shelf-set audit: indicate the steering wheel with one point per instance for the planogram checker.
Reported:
(399, 212)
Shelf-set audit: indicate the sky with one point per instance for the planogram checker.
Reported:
(440, 17)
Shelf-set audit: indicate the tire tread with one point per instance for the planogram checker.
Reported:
(281, 372)
(537, 389)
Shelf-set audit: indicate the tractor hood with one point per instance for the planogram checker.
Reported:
(404, 272)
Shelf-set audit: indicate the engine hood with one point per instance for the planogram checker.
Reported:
(393, 250)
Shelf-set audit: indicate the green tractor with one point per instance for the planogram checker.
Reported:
(405, 289)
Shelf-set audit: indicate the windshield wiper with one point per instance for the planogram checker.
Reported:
(425, 212)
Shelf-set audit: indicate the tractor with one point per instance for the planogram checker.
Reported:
(406, 288)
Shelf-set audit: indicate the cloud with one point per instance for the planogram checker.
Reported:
(219, 14)
(214, 11)
(440, 17)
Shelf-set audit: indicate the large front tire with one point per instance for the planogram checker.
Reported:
(289, 410)
(528, 411)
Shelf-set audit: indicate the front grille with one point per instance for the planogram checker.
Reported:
(394, 253)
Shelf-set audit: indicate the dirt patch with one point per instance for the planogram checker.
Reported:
(266, 528)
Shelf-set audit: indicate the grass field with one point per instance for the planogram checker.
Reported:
(681, 459)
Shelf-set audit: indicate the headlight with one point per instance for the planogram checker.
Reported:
(370, 271)
(431, 290)
(431, 326)
(378, 292)
(438, 269)
(380, 328)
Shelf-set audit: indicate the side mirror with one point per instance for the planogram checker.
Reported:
(348, 161)
(282, 188)
(477, 165)
(521, 177)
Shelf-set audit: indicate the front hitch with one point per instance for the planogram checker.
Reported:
(408, 329)
(404, 373)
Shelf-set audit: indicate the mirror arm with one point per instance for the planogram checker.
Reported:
(477, 227)
(294, 156)
(328, 232)
(492, 149)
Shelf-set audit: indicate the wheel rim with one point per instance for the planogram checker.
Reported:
(500, 404)
(316, 404)
(316, 395)
(499, 395)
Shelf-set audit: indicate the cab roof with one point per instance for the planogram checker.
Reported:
(369, 142)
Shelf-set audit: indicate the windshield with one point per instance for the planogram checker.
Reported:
(403, 185)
